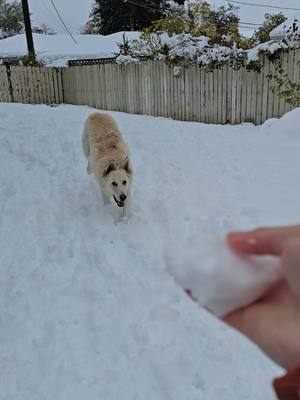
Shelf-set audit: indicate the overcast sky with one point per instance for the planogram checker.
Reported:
(75, 12)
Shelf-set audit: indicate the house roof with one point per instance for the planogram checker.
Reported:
(56, 50)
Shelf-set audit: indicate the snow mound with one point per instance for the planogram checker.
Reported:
(270, 47)
(122, 59)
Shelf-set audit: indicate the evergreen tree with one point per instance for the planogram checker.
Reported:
(93, 26)
(11, 18)
(109, 16)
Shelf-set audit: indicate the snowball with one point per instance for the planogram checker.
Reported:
(219, 279)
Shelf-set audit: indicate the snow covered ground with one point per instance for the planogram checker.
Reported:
(56, 50)
(87, 308)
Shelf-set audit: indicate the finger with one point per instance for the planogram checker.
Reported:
(263, 241)
(291, 265)
(240, 320)
(246, 320)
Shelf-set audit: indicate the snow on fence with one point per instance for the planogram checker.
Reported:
(154, 88)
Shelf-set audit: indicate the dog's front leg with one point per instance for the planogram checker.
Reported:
(124, 216)
(88, 168)
(126, 207)
(104, 198)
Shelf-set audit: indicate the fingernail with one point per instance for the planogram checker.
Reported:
(237, 236)
(241, 237)
(252, 241)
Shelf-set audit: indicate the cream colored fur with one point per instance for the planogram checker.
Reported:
(108, 158)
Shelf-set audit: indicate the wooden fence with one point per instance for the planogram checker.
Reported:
(31, 85)
(5, 92)
(152, 88)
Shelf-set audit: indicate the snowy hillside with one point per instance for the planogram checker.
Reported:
(56, 50)
(87, 309)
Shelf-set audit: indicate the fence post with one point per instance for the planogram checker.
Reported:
(10, 86)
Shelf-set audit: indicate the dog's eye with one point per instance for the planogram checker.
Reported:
(124, 182)
(114, 184)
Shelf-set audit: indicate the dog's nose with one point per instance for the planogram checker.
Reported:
(123, 197)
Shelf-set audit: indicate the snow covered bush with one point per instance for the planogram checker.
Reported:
(199, 33)
(271, 22)
(292, 37)
(200, 19)
(274, 48)
(122, 59)
(287, 88)
(184, 48)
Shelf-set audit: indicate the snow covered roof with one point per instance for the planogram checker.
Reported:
(280, 32)
(56, 50)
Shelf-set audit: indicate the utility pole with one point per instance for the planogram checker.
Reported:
(28, 31)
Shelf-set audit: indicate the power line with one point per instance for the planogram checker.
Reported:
(243, 24)
(147, 7)
(53, 16)
(247, 27)
(141, 5)
(264, 5)
(58, 14)
(250, 23)
(229, 1)
(224, 24)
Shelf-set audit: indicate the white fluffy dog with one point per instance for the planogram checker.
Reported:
(108, 159)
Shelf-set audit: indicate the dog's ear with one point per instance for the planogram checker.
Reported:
(127, 166)
(111, 167)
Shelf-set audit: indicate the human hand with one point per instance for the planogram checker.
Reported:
(273, 322)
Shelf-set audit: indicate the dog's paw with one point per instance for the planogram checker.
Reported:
(122, 220)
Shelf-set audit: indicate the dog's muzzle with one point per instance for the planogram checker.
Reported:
(119, 203)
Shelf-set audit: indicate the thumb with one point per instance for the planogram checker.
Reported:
(291, 266)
